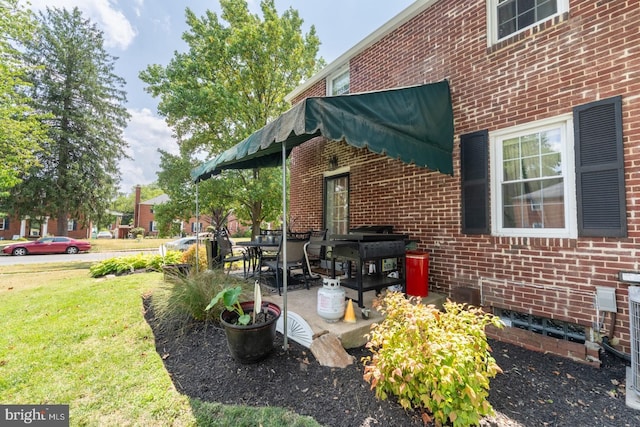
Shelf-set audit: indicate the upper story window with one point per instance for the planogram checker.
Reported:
(533, 185)
(338, 83)
(508, 17)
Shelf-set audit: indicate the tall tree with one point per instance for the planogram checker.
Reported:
(215, 201)
(231, 82)
(21, 131)
(76, 86)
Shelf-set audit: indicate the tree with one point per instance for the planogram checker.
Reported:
(216, 198)
(21, 130)
(76, 86)
(231, 82)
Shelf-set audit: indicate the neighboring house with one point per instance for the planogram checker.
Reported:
(542, 212)
(12, 227)
(144, 217)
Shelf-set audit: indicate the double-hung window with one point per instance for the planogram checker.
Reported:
(339, 82)
(508, 17)
(558, 177)
(3, 223)
(533, 183)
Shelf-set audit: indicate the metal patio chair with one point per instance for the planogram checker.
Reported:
(295, 260)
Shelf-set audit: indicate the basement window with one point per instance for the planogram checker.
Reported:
(542, 325)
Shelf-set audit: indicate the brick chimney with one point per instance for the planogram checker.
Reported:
(136, 208)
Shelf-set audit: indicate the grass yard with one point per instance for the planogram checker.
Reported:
(70, 339)
(73, 340)
(107, 245)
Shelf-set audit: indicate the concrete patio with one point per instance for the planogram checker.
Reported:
(305, 302)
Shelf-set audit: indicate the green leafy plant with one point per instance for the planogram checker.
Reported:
(129, 264)
(231, 300)
(184, 299)
(432, 360)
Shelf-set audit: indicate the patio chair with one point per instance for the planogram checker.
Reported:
(295, 260)
(316, 252)
(226, 255)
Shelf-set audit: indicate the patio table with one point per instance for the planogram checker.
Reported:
(254, 250)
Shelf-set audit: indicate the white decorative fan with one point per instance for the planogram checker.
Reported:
(297, 329)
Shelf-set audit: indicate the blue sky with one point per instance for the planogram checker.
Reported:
(143, 32)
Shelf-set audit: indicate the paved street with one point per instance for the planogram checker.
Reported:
(42, 259)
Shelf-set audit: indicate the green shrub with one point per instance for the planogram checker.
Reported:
(129, 264)
(156, 261)
(186, 298)
(432, 360)
(137, 231)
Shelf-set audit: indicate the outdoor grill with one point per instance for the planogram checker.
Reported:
(374, 260)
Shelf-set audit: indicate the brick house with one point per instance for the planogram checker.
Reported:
(11, 227)
(144, 217)
(541, 214)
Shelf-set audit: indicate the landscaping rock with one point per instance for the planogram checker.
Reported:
(328, 350)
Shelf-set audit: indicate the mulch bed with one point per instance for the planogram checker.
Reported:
(534, 390)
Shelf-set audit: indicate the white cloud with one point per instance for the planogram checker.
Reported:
(138, 5)
(118, 30)
(145, 134)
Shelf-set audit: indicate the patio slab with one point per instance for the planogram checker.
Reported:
(305, 302)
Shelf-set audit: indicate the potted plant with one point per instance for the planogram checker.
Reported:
(250, 326)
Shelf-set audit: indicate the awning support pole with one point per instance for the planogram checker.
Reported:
(284, 245)
(197, 229)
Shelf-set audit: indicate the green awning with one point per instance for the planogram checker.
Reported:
(412, 124)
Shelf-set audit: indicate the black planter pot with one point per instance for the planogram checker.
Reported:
(250, 343)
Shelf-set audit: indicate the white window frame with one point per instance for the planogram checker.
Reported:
(154, 226)
(335, 76)
(2, 223)
(70, 225)
(565, 123)
(492, 20)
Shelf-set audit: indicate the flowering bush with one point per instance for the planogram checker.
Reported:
(189, 257)
(432, 360)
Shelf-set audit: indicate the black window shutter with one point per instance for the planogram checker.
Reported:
(474, 176)
(6, 222)
(600, 169)
(75, 225)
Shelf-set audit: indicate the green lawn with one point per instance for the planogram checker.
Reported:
(70, 339)
(73, 340)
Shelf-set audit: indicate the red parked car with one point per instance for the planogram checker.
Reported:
(48, 245)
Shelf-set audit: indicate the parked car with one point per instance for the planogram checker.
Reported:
(104, 235)
(48, 245)
(181, 244)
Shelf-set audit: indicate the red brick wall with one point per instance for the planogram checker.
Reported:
(588, 54)
(52, 228)
(145, 216)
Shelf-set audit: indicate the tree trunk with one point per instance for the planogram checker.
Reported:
(256, 218)
(63, 229)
